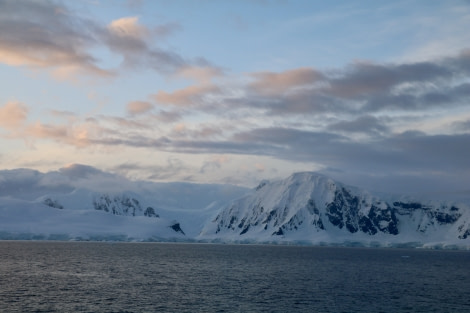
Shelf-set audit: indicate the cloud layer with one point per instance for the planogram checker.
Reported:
(366, 119)
(50, 35)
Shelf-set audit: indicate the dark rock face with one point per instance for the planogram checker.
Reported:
(313, 210)
(150, 212)
(431, 216)
(408, 206)
(338, 207)
(122, 205)
(53, 203)
(465, 234)
(344, 211)
(276, 218)
(117, 205)
(176, 227)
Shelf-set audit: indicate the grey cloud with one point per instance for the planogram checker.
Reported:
(169, 116)
(441, 152)
(166, 29)
(364, 124)
(307, 102)
(406, 152)
(30, 183)
(441, 186)
(447, 96)
(80, 171)
(362, 88)
(137, 53)
(88, 177)
(374, 83)
(462, 125)
(136, 141)
(285, 136)
(366, 79)
(48, 34)
(209, 166)
(174, 168)
(356, 90)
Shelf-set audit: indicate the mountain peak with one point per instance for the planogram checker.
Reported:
(303, 177)
(310, 206)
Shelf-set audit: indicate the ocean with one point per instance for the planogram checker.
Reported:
(40, 276)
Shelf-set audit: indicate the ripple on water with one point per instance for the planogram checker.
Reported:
(99, 277)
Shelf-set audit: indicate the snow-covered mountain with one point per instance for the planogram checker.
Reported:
(312, 208)
(79, 202)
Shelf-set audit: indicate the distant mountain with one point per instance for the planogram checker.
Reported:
(83, 203)
(312, 208)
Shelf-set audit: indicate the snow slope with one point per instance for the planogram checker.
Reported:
(312, 208)
(83, 203)
(79, 202)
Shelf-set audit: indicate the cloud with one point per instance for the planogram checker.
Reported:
(214, 163)
(366, 124)
(80, 171)
(138, 107)
(260, 167)
(130, 39)
(169, 116)
(462, 125)
(74, 131)
(360, 88)
(13, 114)
(45, 34)
(182, 131)
(49, 35)
(270, 83)
(91, 178)
(186, 97)
(363, 119)
(174, 168)
(368, 79)
(128, 27)
(200, 74)
(30, 184)
(400, 153)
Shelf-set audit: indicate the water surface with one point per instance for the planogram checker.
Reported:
(156, 277)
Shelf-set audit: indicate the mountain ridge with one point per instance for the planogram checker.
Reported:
(83, 203)
(322, 210)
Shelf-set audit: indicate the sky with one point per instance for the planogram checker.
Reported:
(375, 93)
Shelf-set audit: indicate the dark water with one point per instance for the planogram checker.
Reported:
(151, 277)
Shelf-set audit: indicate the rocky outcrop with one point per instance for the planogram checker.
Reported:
(122, 205)
(309, 204)
(53, 203)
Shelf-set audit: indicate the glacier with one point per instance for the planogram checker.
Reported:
(80, 202)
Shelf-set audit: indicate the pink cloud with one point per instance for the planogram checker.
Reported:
(187, 96)
(128, 27)
(271, 83)
(138, 107)
(200, 74)
(56, 38)
(13, 114)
